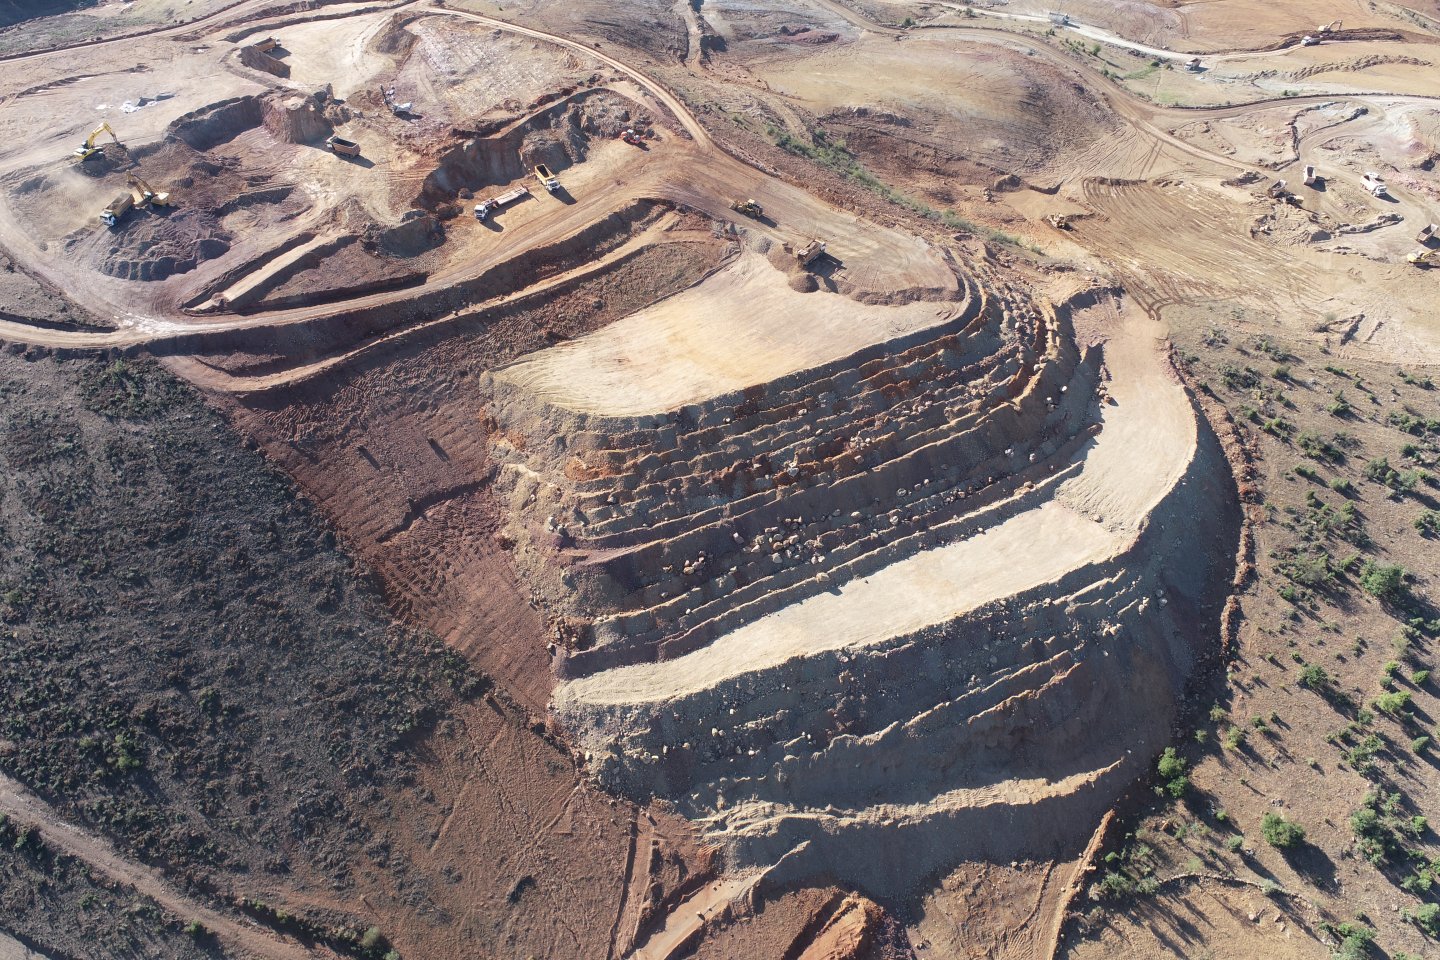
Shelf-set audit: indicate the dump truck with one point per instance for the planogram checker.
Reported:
(88, 149)
(748, 207)
(1373, 182)
(546, 178)
(1309, 41)
(1059, 221)
(484, 208)
(1309, 176)
(632, 138)
(1276, 190)
(266, 45)
(813, 250)
(1427, 234)
(1193, 64)
(113, 214)
(340, 145)
(1424, 257)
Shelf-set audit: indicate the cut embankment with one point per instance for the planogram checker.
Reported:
(983, 696)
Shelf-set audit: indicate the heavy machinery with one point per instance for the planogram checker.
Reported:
(1332, 27)
(1276, 190)
(1372, 182)
(632, 138)
(340, 145)
(120, 206)
(484, 208)
(546, 178)
(1428, 234)
(1309, 41)
(1309, 175)
(813, 250)
(146, 195)
(266, 45)
(88, 149)
(1424, 257)
(749, 208)
(1059, 221)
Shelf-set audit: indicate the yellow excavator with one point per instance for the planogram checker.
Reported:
(88, 149)
(146, 194)
(1425, 257)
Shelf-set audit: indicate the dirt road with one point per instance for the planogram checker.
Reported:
(247, 938)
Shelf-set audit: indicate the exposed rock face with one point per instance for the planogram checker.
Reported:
(257, 59)
(297, 120)
(934, 601)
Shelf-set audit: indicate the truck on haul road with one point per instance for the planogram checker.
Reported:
(120, 206)
(1372, 182)
(543, 174)
(342, 146)
(1309, 175)
(484, 208)
(1427, 234)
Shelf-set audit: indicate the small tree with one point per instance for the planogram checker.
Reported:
(1384, 582)
(1280, 833)
(1171, 768)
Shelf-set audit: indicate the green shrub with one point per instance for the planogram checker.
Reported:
(1280, 833)
(1171, 768)
(1393, 703)
(1314, 677)
(1426, 917)
(1385, 582)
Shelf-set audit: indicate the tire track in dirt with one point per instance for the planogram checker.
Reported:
(17, 803)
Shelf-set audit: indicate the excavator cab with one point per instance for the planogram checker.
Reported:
(88, 149)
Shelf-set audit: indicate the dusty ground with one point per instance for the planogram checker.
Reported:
(814, 610)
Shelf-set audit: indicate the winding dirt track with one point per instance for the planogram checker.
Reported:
(25, 808)
(723, 175)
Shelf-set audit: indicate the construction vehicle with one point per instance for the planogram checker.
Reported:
(484, 208)
(1427, 234)
(266, 45)
(147, 195)
(1193, 64)
(1424, 257)
(1332, 27)
(120, 206)
(546, 178)
(1058, 221)
(1309, 41)
(342, 146)
(749, 208)
(632, 138)
(1276, 190)
(810, 252)
(388, 95)
(88, 149)
(1372, 182)
(1309, 175)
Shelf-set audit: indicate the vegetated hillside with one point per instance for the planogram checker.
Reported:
(1298, 805)
(18, 11)
(57, 899)
(191, 664)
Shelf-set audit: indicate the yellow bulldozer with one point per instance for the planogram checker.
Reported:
(88, 149)
(748, 207)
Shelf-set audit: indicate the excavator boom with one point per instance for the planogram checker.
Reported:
(88, 149)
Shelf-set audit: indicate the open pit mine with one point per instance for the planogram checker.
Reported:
(764, 425)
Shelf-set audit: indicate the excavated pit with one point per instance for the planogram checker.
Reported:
(918, 603)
